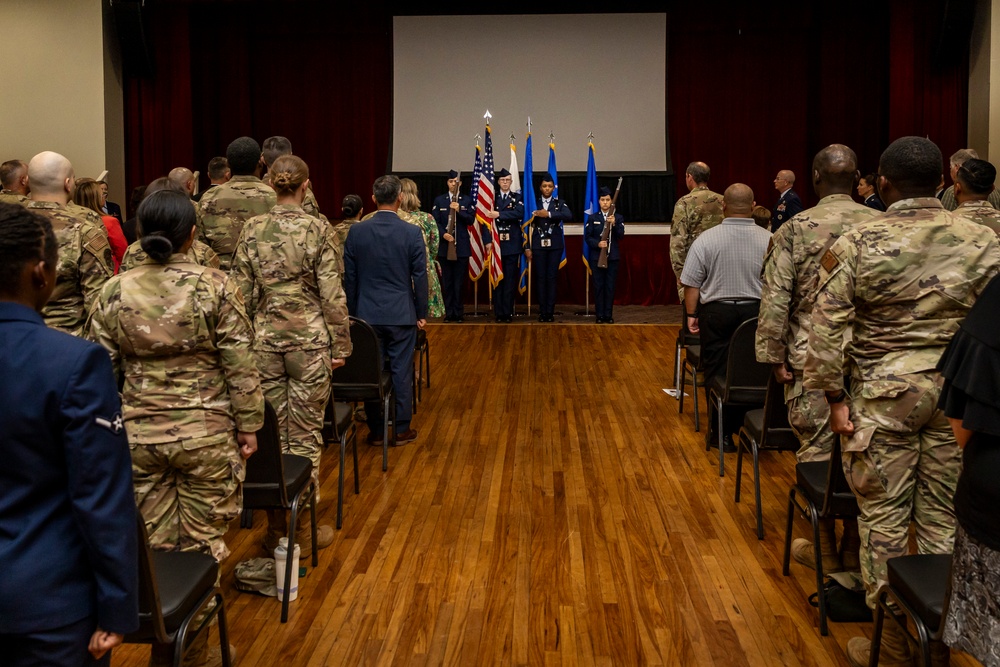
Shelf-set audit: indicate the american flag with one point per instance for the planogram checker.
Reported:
(485, 204)
(477, 261)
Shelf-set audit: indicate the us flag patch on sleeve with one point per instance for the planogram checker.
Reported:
(829, 261)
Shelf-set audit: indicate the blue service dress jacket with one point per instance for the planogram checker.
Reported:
(593, 229)
(385, 271)
(788, 205)
(511, 210)
(547, 233)
(68, 543)
(463, 222)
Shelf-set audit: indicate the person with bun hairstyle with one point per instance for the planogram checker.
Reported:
(350, 212)
(200, 253)
(409, 210)
(290, 274)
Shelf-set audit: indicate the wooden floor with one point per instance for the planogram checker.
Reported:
(555, 510)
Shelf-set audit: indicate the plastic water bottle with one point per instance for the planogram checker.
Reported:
(280, 556)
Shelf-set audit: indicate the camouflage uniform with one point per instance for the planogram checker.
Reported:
(949, 201)
(11, 197)
(190, 384)
(225, 209)
(309, 204)
(981, 212)
(427, 225)
(199, 253)
(85, 264)
(695, 212)
(907, 278)
(340, 236)
(290, 275)
(791, 270)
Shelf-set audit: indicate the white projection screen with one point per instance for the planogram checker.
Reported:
(572, 74)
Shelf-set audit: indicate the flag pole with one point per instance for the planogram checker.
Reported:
(529, 288)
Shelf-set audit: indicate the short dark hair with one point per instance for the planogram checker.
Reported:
(547, 178)
(275, 147)
(10, 171)
(386, 189)
(977, 176)
(912, 165)
(25, 237)
(243, 155)
(217, 167)
(166, 219)
(698, 171)
(871, 179)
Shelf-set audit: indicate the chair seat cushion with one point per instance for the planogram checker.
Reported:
(922, 580)
(343, 415)
(737, 395)
(693, 355)
(298, 473)
(363, 392)
(297, 470)
(812, 478)
(753, 422)
(183, 578)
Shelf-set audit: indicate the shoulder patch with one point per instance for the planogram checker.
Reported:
(829, 261)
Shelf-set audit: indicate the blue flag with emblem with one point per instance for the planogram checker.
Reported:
(590, 203)
(529, 209)
(555, 195)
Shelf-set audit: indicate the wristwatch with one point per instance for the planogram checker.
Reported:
(839, 397)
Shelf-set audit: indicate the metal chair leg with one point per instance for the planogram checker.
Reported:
(227, 659)
(694, 393)
(680, 391)
(756, 489)
(340, 481)
(722, 439)
(820, 593)
(876, 645)
(739, 462)
(788, 532)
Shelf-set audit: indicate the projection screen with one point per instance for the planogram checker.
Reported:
(572, 74)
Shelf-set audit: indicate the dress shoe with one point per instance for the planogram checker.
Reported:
(541, 318)
(599, 320)
(409, 435)
(374, 440)
(609, 320)
(508, 319)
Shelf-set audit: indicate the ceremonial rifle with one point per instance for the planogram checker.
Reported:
(602, 261)
(452, 220)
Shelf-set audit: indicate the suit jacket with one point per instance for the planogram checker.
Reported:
(511, 210)
(67, 507)
(466, 217)
(385, 271)
(550, 228)
(592, 231)
(114, 210)
(788, 205)
(875, 202)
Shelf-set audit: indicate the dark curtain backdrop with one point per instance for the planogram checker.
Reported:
(752, 88)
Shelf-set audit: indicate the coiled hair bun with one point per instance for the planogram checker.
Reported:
(157, 246)
(166, 219)
(288, 173)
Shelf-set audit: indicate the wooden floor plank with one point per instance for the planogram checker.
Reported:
(555, 510)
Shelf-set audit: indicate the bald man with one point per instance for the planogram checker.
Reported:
(85, 261)
(183, 177)
(791, 281)
(721, 279)
(789, 203)
(14, 179)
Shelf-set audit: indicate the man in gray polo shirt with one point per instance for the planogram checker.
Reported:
(721, 280)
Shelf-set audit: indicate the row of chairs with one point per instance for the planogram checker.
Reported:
(918, 584)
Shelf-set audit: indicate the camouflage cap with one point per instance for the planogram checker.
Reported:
(257, 575)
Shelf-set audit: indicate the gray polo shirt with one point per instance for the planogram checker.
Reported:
(725, 261)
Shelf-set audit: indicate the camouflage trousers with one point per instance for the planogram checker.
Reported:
(297, 385)
(809, 417)
(189, 491)
(903, 464)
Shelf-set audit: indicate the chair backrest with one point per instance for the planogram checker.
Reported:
(840, 499)
(264, 484)
(363, 368)
(151, 626)
(776, 432)
(743, 371)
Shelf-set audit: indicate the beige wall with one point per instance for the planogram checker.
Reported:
(984, 81)
(61, 91)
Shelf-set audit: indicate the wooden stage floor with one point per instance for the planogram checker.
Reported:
(555, 510)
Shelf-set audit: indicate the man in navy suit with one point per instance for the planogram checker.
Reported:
(69, 574)
(547, 246)
(507, 217)
(385, 278)
(788, 202)
(604, 279)
(453, 272)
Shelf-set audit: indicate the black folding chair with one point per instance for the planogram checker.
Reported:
(921, 586)
(766, 429)
(823, 487)
(173, 587)
(363, 377)
(339, 425)
(692, 360)
(685, 340)
(423, 351)
(279, 481)
(743, 386)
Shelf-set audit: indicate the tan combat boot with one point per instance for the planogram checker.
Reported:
(303, 536)
(803, 552)
(277, 527)
(850, 545)
(894, 652)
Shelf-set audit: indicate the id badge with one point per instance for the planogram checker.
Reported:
(546, 243)
(505, 237)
